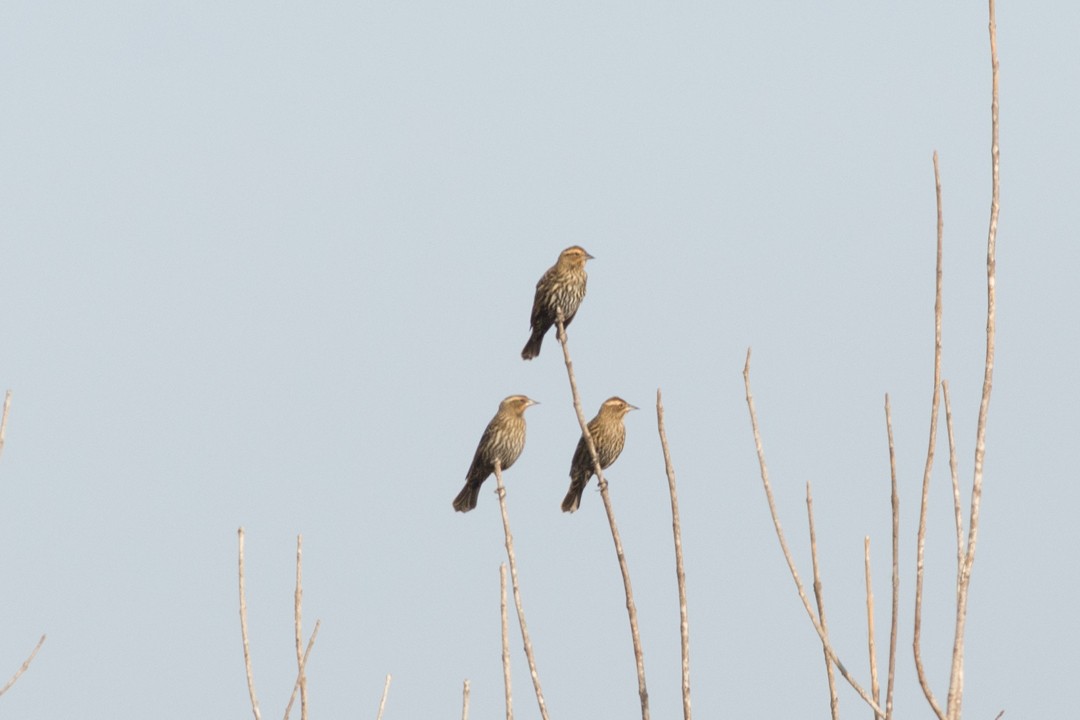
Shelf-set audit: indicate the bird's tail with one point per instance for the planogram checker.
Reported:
(572, 500)
(532, 348)
(466, 499)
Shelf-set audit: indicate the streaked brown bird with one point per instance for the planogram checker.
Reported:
(609, 436)
(562, 287)
(503, 440)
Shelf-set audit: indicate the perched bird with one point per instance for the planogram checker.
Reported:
(503, 440)
(562, 287)
(609, 435)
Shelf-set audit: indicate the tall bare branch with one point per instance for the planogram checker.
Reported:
(895, 614)
(819, 598)
(517, 592)
(680, 574)
(631, 608)
(916, 645)
(956, 676)
(244, 629)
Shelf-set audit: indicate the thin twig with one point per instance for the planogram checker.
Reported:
(895, 563)
(300, 675)
(501, 489)
(382, 701)
(956, 676)
(505, 642)
(25, 666)
(875, 689)
(819, 598)
(465, 701)
(787, 551)
(928, 468)
(3, 419)
(680, 574)
(244, 631)
(631, 608)
(298, 599)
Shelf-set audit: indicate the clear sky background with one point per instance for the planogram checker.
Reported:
(271, 265)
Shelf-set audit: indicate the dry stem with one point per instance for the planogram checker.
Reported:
(517, 592)
(24, 667)
(300, 675)
(956, 676)
(834, 699)
(875, 689)
(631, 608)
(787, 552)
(505, 642)
(680, 574)
(385, 692)
(895, 563)
(928, 468)
(465, 701)
(244, 631)
(297, 605)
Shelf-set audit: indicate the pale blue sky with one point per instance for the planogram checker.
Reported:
(271, 266)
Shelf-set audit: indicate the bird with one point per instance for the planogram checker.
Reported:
(562, 287)
(609, 436)
(502, 441)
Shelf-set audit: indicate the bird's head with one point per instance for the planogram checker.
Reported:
(516, 404)
(616, 406)
(574, 256)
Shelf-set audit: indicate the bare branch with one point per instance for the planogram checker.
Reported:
(465, 701)
(298, 598)
(928, 468)
(26, 664)
(244, 631)
(385, 692)
(300, 675)
(631, 608)
(834, 699)
(875, 689)
(505, 642)
(680, 574)
(787, 552)
(501, 489)
(895, 563)
(956, 676)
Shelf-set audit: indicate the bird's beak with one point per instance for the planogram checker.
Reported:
(632, 407)
(532, 402)
(589, 257)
